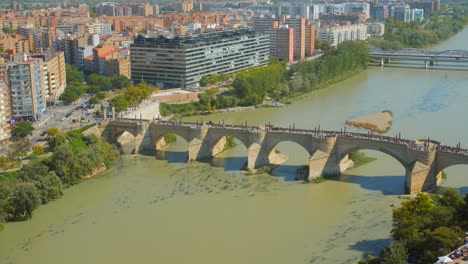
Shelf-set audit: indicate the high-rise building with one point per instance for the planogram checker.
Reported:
(298, 24)
(54, 71)
(25, 78)
(401, 12)
(5, 103)
(182, 61)
(282, 43)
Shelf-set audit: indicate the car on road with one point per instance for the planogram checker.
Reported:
(62, 119)
(68, 115)
(44, 133)
(78, 108)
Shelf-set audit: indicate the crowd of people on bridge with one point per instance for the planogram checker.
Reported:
(426, 146)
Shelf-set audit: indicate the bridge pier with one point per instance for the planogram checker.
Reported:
(432, 62)
(382, 62)
(195, 145)
(421, 178)
(256, 156)
(317, 164)
(426, 64)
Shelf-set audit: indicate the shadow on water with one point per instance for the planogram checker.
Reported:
(229, 163)
(372, 247)
(287, 172)
(173, 156)
(387, 185)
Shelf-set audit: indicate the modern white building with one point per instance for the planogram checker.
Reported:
(182, 61)
(376, 29)
(337, 34)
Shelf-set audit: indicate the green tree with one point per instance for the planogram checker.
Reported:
(120, 103)
(73, 74)
(4, 164)
(94, 100)
(19, 148)
(21, 130)
(396, 253)
(57, 140)
(63, 162)
(47, 183)
(22, 202)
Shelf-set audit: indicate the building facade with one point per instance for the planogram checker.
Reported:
(182, 61)
(338, 34)
(25, 78)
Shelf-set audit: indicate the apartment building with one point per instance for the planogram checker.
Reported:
(183, 60)
(54, 71)
(25, 79)
(337, 34)
(5, 103)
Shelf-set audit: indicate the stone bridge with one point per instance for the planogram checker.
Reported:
(423, 160)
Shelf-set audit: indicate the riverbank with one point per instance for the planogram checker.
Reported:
(280, 83)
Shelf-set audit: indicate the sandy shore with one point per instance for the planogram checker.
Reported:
(377, 122)
(96, 172)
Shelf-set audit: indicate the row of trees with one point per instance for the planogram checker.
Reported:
(95, 84)
(43, 180)
(132, 96)
(415, 34)
(425, 228)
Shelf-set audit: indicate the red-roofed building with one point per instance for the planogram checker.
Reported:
(100, 53)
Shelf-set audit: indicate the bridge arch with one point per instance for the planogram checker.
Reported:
(125, 141)
(289, 160)
(173, 152)
(342, 154)
(220, 141)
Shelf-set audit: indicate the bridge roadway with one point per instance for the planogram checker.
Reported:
(430, 58)
(423, 160)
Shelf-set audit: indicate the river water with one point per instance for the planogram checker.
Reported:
(165, 211)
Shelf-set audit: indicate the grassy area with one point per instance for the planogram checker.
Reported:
(318, 180)
(8, 176)
(82, 129)
(76, 141)
(360, 158)
(230, 143)
(444, 175)
(170, 138)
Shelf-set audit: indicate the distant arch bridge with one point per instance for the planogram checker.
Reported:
(429, 58)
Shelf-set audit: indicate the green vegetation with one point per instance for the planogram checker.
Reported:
(170, 138)
(360, 158)
(265, 169)
(132, 96)
(230, 143)
(208, 80)
(444, 175)
(8, 30)
(252, 86)
(426, 227)
(21, 130)
(319, 179)
(416, 35)
(99, 83)
(42, 180)
(95, 84)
